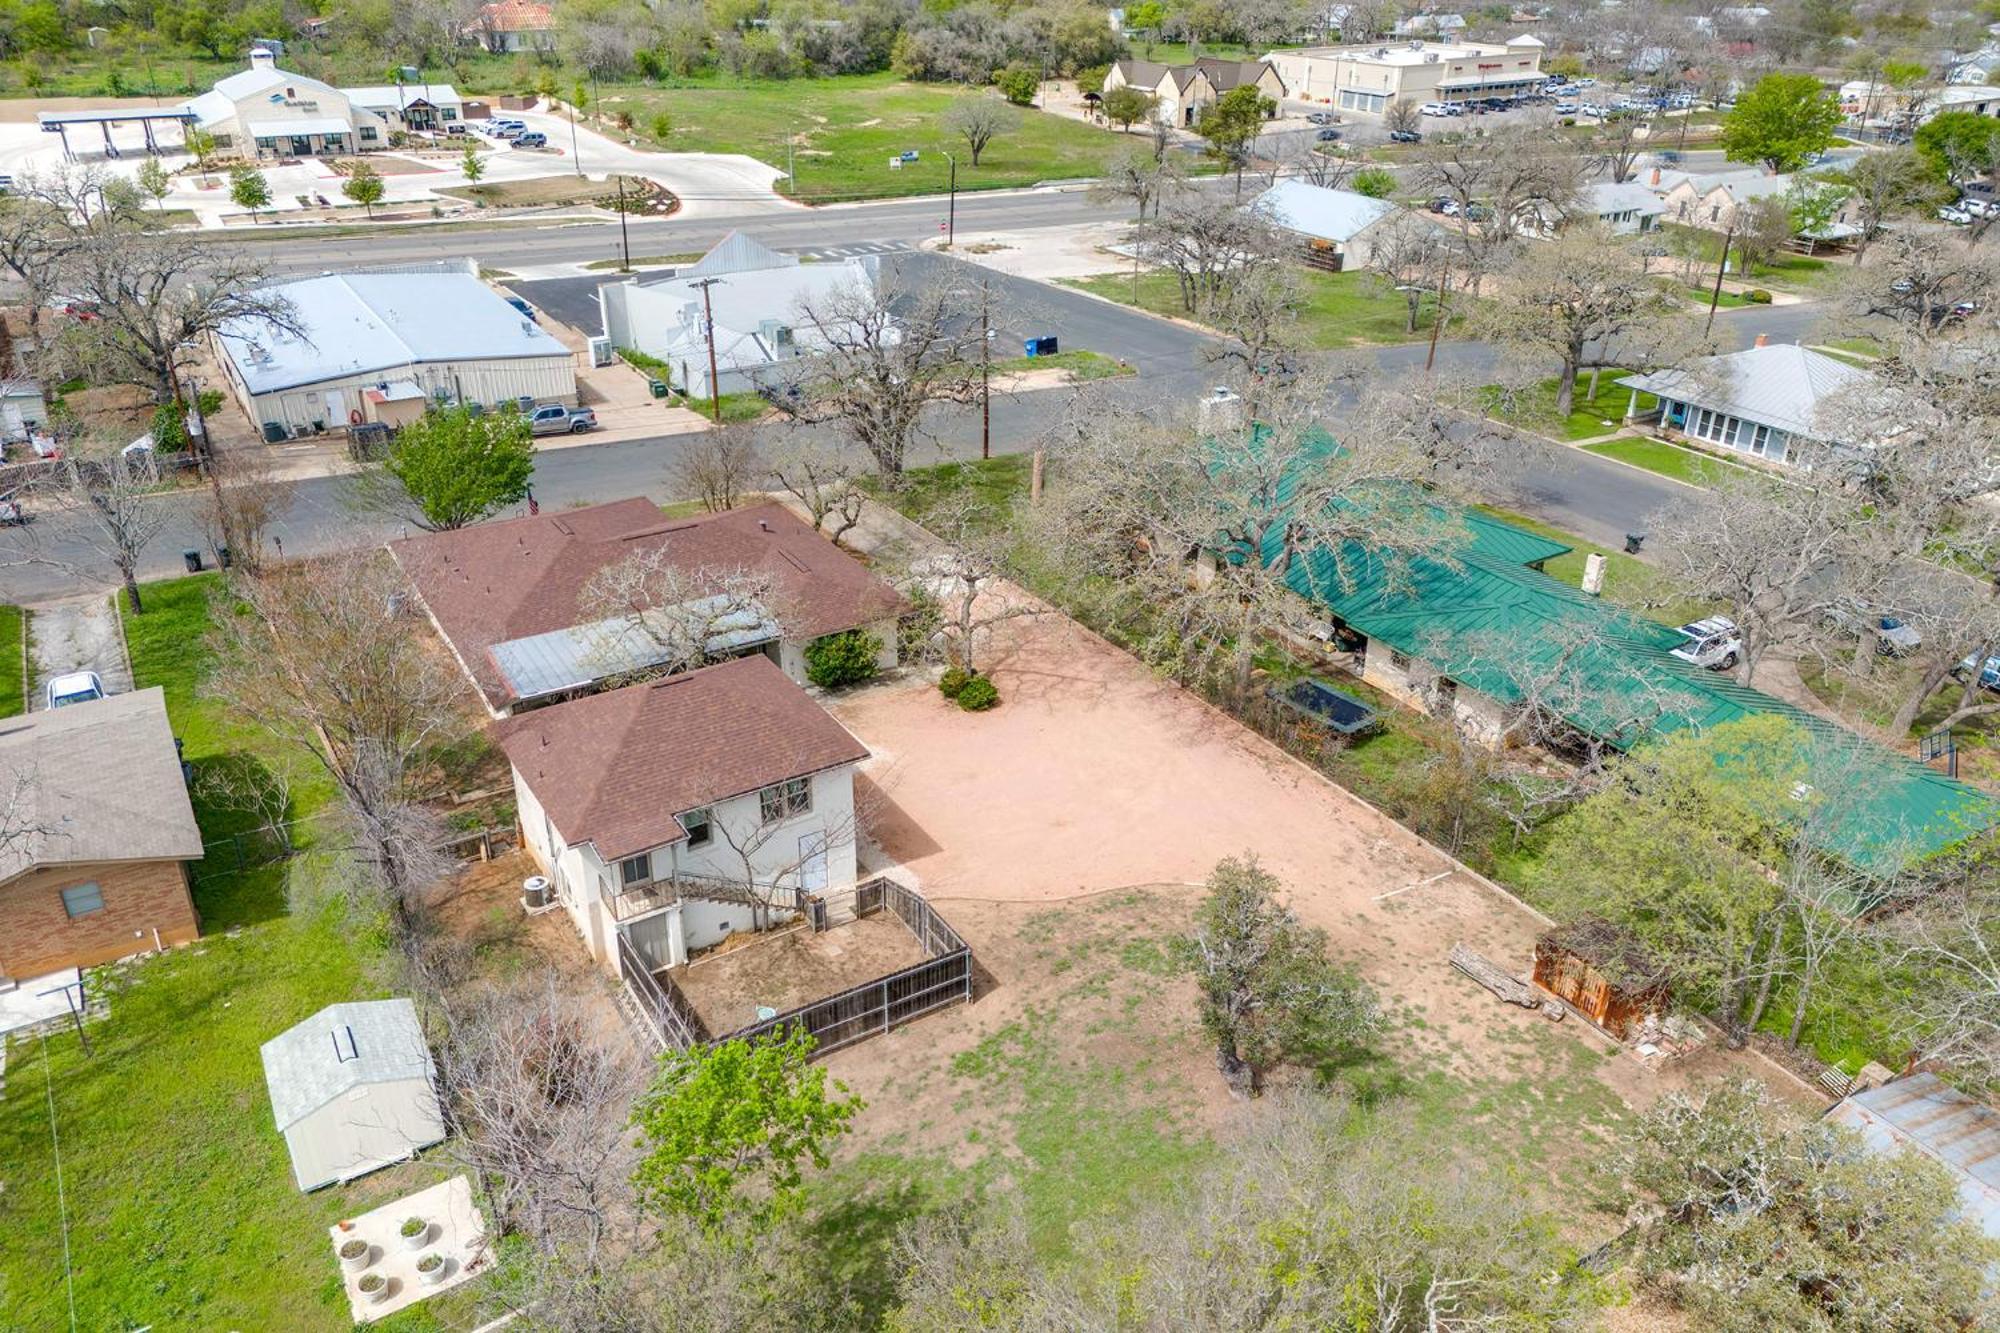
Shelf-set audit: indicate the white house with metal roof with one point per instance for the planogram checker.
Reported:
(352, 1090)
(1764, 401)
(368, 340)
(1335, 221)
(1626, 207)
(754, 302)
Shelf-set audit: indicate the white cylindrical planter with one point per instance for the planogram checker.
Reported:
(379, 1294)
(418, 1240)
(430, 1277)
(354, 1263)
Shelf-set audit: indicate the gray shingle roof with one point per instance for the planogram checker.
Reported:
(101, 781)
(304, 1068)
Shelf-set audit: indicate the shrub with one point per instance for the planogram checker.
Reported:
(919, 625)
(354, 1249)
(1018, 83)
(169, 431)
(663, 125)
(977, 695)
(210, 401)
(1757, 296)
(953, 682)
(846, 658)
(414, 1226)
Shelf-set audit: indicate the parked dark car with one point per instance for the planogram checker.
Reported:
(1327, 135)
(1405, 136)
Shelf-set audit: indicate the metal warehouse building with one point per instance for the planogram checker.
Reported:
(371, 346)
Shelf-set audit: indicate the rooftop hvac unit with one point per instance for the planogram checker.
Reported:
(600, 351)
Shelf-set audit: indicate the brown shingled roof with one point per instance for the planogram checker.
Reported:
(614, 769)
(494, 582)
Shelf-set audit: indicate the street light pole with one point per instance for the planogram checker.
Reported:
(985, 372)
(624, 237)
(951, 208)
(708, 327)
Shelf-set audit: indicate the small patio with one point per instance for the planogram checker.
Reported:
(453, 1231)
(41, 1000)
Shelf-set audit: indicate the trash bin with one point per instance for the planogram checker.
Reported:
(1030, 346)
(659, 388)
(275, 432)
(1633, 541)
(222, 556)
(192, 559)
(1047, 346)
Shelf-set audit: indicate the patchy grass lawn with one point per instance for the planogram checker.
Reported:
(1536, 409)
(1787, 271)
(996, 482)
(1628, 581)
(1340, 309)
(1667, 459)
(643, 261)
(13, 662)
(839, 133)
(552, 191)
(1081, 364)
(181, 1204)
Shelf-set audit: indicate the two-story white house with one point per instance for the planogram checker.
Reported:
(673, 814)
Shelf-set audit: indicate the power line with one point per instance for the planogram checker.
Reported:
(62, 1198)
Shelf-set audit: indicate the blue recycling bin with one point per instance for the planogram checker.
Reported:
(1031, 345)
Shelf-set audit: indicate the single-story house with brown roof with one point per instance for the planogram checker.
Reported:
(507, 595)
(674, 813)
(100, 825)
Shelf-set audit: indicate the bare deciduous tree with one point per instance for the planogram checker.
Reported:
(962, 571)
(245, 497)
(1207, 243)
(648, 616)
(979, 120)
(716, 467)
(826, 481)
(117, 518)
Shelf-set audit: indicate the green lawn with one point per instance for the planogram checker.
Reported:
(1588, 413)
(13, 673)
(842, 131)
(1339, 309)
(643, 261)
(1669, 460)
(182, 1208)
(1628, 581)
(1787, 271)
(1081, 364)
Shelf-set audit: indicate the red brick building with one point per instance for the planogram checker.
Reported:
(95, 828)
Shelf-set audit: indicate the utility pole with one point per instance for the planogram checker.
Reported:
(575, 153)
(1437, 316)
(624, 237)
(951, 208)
(708, 327)
(1715, 297)
(985, 373)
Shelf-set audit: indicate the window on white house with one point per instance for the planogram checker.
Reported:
(636, 870)
(82, 899)
(699, 826)
(1399, 660)
(788, 798)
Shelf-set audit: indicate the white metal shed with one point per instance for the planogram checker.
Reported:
(352, 1090)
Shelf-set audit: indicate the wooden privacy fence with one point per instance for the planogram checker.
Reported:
(855, 1014)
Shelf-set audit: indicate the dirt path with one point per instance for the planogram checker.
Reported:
(76, 634)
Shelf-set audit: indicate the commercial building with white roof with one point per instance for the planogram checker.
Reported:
(1368, 77)
(755, 304)
(367, 340)
(1336, 226)
(267, 112)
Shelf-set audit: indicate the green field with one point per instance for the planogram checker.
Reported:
(1669, 460)
(181, 1205)
(1338, 310)
(842, 131)
(13, 674)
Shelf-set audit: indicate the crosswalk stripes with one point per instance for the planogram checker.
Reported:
(850, 251)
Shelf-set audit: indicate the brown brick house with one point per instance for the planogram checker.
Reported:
(95, 827)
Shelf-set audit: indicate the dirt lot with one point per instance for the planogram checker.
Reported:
(1065, 835)
(791, 967)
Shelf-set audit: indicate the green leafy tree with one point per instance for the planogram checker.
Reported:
(1374, 182)
(1811, 206)
(846, 658)
(152, 178)
(1958, 146)
(1767, 1223)
(249, 189)
(1267, 990)
(1126, 106)
(1146, 18)
(663, 125)
(1782, 122)
(1231, 125)
(472, 165)
(200, 144)
(451, 468)
(365, 186)
(745, 1113)
(1018, 83)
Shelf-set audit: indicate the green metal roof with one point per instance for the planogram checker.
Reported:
(1620, 682)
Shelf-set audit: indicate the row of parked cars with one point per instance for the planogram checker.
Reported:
(1715, 643)
(515, 132)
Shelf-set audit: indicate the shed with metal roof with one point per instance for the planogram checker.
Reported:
(1922, 1114)
(352, 1090)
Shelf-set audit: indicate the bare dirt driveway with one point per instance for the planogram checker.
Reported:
(1089, 806)
(77, 634)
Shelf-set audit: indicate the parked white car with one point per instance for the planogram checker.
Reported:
(1432, 109)
(1711, 643)
(77, 687)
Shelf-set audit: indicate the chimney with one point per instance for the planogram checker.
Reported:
(1593, 574)
(260, 58)
(1763, 340)
(1656, 175)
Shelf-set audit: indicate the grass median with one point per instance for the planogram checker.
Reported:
(13, 668)
(1668, 460)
